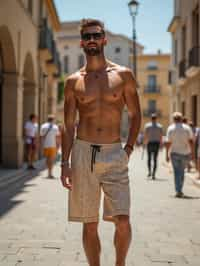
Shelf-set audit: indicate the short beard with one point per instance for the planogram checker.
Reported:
(93, 51)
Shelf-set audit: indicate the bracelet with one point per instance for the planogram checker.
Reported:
(129, 146)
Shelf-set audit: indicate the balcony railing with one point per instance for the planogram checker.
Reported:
(182, 68)
(194, 56)
(149, 112)
(46, 38)
(152, 89)
(55, 61)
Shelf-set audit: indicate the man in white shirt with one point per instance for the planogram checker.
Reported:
(50, 139)
(31, 135)
(181, 145)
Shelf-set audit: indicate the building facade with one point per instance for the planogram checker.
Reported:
(29, 67)
(184, 76)
(153, 87)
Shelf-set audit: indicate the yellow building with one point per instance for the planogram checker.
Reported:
(29, 66)
(152, 76)
(185, 69)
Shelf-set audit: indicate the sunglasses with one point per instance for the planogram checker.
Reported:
(94, 36)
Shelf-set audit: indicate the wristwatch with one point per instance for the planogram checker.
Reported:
(65, 162)
(129, 146)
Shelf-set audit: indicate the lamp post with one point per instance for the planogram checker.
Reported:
(133, 8)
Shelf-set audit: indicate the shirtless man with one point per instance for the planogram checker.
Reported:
(99, 92)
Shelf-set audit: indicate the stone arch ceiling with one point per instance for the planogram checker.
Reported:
(7, 47)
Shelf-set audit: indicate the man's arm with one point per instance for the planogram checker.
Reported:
(168, 144)
(191, 143)
(67, 134)
(69, 120)
(133, 105)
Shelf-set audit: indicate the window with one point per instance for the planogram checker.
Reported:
(152, 106)
(30, 6)
(66, 64)
(194, 101)
(41, 11)
(152, 65)
(152, 82)
(183, 42)
(117, 50)
(183, 108)
(80, 61)
(195, 27)
(175, 52)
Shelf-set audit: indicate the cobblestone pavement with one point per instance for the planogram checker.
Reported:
(34, 228)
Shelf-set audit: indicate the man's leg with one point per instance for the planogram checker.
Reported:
(177, 172)
(198, 167)
(155, 159)
(91, 243)
(184, 162)
(149, 159)
(50, 163)
(122, 238)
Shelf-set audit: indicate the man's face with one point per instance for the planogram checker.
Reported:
(93, 41)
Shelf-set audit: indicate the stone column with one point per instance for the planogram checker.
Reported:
(12, 142)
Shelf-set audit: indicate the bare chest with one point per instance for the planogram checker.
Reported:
(106, 87)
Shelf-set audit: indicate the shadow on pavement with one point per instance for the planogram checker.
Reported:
(7, 194)
(190, 197)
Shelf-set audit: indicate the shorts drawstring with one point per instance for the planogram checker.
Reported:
(95, 149)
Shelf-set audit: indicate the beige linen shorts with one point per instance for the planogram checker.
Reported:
(96, 168)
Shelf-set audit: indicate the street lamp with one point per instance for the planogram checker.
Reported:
(133, 8)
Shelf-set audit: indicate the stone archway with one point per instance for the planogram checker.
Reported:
(30, 92)
(10, 142)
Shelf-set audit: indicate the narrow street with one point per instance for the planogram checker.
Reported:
(34, 228)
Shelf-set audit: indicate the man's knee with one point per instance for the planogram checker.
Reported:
(123, 224)
(90, 228)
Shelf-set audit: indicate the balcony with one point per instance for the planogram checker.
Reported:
(194, 62)
(149, 112)
(152, 89)
(45, 43)
(53, 65)
(182, 68)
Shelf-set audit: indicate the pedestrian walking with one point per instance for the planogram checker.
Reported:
(153, 132)
(180, 145)
(50, 141)
(31, 140)
(99, 92)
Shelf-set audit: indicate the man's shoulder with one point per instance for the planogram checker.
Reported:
(44, 125)
(171, 127)
(159, 125)
(70, 79)
(186, 127)
(148, 125)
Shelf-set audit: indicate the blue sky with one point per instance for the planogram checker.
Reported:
(152, 21)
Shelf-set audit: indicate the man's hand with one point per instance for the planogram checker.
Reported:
(66, 176)
(128, 150)
(167, 158)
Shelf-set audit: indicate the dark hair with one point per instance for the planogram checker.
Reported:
(32, 116)
(89, 22)
(51, 118)
(185, 120)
